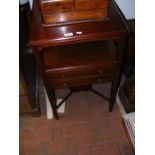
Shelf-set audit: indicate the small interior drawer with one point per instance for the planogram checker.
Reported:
(56, 6)
(91, 4)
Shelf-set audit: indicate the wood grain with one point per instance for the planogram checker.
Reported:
(59, 11)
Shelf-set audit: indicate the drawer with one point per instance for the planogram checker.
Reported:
(75, 72)
(75, 16)
(80, 77)
(91, 4)
(81, 81)
(56, 6)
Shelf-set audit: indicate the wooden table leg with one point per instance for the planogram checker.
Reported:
(120, 45)
(50, 94)
(113, 95)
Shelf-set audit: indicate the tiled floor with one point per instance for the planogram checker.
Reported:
(86, 128)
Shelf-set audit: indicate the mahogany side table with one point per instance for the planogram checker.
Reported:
(93, 54)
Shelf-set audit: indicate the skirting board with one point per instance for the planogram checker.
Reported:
(49, 111)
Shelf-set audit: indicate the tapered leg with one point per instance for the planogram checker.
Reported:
(50, 94)
(113, 95)
(54, 97)
(120, 47)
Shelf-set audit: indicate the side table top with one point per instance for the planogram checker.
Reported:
(89, 31)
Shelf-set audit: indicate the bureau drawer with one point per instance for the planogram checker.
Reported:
(75, 16)
(79, 81)
(72, 73)
(56, 6)
(91, 4)
(80, 77)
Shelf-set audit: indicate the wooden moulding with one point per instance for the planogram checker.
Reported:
(57, 12)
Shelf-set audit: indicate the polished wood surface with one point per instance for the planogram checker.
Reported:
(92, 56)
(60, 11)
(91, 4)
(79, 55)
(91, 31)
(55, 6)
(56, 19)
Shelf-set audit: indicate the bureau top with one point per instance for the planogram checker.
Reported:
(111, 28)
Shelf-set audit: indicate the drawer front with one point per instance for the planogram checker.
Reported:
(75, 16)
(55, 84)
(80, 77)
(91, 4)
(56, 6)
(78, 72)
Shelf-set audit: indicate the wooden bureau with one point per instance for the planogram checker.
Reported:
(92, 54)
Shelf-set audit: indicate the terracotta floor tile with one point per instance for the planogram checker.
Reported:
(90, 140)
(57, 154)
(56, 145)
(86, 151)
(26, 122)
(70, 146)
(55, 132)
(41, 133)
(42, 148)
(107, 149)
(125, 148)
(26, 135)
(65, 119)
(27, 149)
(94, 126)
(41, 121)
(74, 130)
(108, 130)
